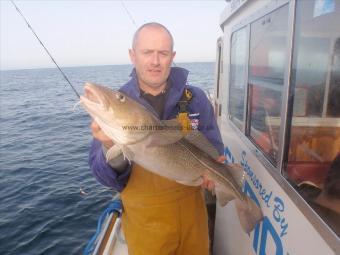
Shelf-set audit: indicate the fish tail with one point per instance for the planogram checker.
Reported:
(249, 213)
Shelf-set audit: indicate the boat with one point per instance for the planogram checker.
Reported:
(276, 100)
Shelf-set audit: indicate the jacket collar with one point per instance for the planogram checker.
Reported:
(178, 77)
(176, 83)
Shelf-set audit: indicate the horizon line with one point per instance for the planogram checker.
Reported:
(35, 68)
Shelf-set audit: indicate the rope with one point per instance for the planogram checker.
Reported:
(114, 206)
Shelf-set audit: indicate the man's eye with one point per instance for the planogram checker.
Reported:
(147, 52)
(164, 53)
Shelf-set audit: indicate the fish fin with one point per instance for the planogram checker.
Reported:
(163, 137)
(237, 172)
(128, 154)
(232, 174)
(113, 152)
(208, 155)
(249, 213)
(223, 197)
(171, 133)
(197, 138)
(196, 182)
(172, 124)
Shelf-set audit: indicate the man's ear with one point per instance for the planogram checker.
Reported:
(173, 55)
(132, 56)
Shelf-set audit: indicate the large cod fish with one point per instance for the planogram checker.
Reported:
(162, 148)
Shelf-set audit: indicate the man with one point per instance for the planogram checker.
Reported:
(160, 216)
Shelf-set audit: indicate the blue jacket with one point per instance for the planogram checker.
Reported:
(199, 108)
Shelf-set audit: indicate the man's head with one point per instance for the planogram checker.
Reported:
(152, 54)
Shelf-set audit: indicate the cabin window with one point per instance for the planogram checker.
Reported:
(314, 149)
(267, 62)
(238, 76)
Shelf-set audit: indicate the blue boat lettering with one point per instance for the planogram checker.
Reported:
(268, 230)
(229, 157)
(279, 208)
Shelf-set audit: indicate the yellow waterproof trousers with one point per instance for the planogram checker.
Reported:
(163, 217)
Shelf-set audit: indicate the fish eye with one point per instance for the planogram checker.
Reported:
(120, 97)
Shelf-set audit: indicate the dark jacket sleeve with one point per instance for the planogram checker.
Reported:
(207, 122)
(103, 172)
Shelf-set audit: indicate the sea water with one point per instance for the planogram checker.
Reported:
(49, 200)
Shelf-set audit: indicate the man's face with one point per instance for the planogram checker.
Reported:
(152, 56)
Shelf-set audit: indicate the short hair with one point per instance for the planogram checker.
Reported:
(154, 25)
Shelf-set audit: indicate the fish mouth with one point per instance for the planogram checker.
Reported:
(91, 97)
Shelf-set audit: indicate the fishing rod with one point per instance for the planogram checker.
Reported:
(29, 26)
(128, 13)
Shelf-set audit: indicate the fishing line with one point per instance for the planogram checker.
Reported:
(29, 26)
(128, 13)
(76, 105)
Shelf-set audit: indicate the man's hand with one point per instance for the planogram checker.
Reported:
(207, 183)
(99, 134)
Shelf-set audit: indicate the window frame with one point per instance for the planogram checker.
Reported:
(245, 110)
(245, 132)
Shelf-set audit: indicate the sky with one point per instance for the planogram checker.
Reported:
(88, 33)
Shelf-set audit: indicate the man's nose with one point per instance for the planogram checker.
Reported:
(155, 59)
